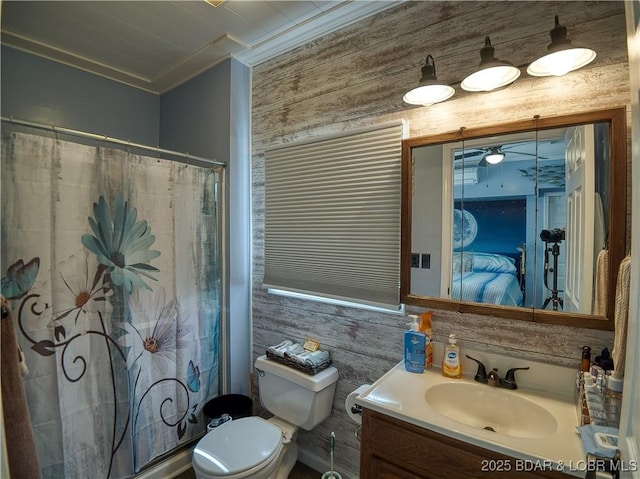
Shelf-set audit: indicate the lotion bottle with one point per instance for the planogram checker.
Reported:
(451, 365)
(414, 347)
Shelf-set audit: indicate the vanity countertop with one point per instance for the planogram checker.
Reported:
(402, 395)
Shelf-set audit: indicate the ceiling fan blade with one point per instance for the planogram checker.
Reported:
(468, 154)
(527, 154)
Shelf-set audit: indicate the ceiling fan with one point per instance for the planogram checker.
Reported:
(492, 155)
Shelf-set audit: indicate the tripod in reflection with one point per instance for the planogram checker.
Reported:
(555, 237)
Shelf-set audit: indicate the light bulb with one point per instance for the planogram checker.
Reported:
(561, 62)
(494, 158)
(428, 94)
(491, 78)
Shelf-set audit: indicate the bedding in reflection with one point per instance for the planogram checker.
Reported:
(486, 278)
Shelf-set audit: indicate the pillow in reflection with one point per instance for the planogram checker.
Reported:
(462, 262)
(492, 263)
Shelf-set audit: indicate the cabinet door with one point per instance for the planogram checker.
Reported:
(393, 449)
(382, 469)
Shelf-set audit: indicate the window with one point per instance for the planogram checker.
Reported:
(332, 217)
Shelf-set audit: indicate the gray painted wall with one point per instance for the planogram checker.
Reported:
(194, 116)
(40, 90)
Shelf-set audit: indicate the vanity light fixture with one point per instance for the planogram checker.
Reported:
(429, 89)
(494, 156)
(561, 57)
(492, 73)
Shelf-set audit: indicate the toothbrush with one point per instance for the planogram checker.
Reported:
(332, 445)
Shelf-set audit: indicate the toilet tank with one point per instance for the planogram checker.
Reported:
(294, 396)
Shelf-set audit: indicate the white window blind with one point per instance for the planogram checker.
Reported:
(332, 217)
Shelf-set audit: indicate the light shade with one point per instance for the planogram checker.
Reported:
(561, 57)
(429, 89)
(492, 73)
(494, 156)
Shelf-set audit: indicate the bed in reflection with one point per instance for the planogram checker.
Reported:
(486, 278)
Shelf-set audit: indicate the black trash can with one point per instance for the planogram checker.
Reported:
(235, 405)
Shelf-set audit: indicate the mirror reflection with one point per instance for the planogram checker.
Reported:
(518, 220)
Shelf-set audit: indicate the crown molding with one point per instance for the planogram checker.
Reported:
(334, 19)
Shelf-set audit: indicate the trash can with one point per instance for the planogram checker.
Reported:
(235, 405)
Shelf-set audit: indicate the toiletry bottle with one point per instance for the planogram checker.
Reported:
(426, 328)
(604, 360)
(451, 365)
(585, 364)
(414, 346)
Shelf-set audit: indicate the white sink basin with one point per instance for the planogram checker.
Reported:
(499, 410)
(529, 424)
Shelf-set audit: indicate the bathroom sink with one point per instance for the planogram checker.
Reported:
(504, 412)
(535, 422)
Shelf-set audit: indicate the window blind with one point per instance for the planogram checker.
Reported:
(332, 217)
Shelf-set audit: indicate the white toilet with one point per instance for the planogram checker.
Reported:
(253, 447)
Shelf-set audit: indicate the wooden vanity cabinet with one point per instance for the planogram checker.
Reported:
(394, 449)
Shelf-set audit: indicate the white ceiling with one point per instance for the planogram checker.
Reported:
(157, 45)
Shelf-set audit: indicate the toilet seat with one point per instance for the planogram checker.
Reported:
(238, 448)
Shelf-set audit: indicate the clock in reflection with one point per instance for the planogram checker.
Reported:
(465, 228)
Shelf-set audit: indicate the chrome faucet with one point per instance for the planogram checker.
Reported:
(493, 378)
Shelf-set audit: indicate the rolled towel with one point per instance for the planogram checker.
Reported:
(293, 351)
(311, 358)
(280, 349)
(316, 358)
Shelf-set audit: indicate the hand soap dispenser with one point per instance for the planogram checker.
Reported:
(451, 365)
(414, 347)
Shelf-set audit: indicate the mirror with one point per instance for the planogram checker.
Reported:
(512, 220)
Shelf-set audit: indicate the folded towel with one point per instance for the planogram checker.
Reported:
(621, 315)
(591, 445)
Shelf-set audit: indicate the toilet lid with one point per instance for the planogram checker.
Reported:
(237, 445)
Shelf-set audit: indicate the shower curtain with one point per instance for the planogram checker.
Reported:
(112, 264)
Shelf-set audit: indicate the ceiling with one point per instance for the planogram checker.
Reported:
(157, 45)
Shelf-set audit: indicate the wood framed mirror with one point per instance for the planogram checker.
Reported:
(543, 215)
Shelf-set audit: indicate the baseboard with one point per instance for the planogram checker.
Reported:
(320, 464)
(170, 467)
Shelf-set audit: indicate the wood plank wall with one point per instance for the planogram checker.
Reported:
(356, 77)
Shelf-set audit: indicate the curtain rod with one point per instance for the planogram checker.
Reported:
(117, 141)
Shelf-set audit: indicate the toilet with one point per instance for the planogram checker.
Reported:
(252, 447)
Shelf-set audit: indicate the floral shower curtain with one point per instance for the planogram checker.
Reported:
(112, 264)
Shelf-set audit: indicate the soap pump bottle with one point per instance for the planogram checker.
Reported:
(427, 329)
(451, 364)
(414, 347)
